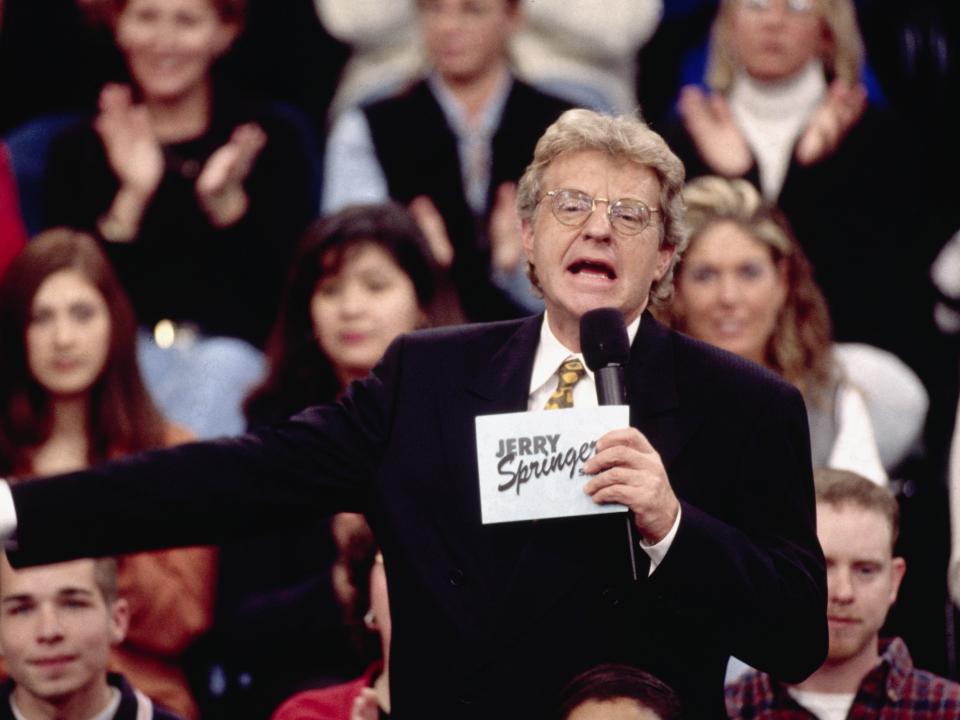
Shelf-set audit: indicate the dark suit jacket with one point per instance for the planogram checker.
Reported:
(490, 622)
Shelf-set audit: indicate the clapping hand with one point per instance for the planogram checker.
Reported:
(840, 110)
(434, 229)
(710, 123)
(132, 148)
(219, 187)
(506, 249)
(365, 706)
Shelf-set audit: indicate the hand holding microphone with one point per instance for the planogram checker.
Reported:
(626, 468)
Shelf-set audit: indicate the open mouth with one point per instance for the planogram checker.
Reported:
(595, 268)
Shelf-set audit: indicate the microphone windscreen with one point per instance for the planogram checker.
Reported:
(603, 338)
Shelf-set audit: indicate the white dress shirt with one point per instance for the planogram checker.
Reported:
(546, 363)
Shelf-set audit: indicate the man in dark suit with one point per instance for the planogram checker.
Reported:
(492, 620)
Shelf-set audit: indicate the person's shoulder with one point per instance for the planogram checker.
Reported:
(707, 369)
(134, 704)
(525, 90)
(933, 691)
(749, 694)
(472, 334)
(414, 92)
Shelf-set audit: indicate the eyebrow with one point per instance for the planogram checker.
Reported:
(65, 592)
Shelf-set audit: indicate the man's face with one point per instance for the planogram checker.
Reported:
(466, 38)
(593, 266)
(56, 630)
(862, 577)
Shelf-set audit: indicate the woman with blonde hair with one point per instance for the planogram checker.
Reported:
(786, 109)
(71, 396)
(744, 285)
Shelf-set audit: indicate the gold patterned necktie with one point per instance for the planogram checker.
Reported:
(571, 370)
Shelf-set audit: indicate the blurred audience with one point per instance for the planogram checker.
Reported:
(744, 285)
(198, 195)
(589, 58)
(362, 277)
(620, 692)
(786, 109)
(57, 626)
(864, 675)
(71, 396)
(361, 580)
(452, 147)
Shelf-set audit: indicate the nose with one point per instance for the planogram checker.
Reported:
(597, 226)
(353, 300)
(64, 332)
(728, 289)
(49, 628)
(839, 586)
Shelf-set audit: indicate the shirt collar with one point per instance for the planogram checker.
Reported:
(798, 94)
(489, 119)
(551, 352)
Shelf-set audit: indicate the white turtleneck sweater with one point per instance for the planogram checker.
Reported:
(772, 116)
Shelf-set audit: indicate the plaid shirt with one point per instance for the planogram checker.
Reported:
(893, 690)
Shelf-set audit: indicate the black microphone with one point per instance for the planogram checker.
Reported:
(606, 350)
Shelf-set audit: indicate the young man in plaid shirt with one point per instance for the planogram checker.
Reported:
(864, 676)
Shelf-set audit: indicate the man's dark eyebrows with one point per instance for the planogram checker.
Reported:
(16, 599)
(75, 591)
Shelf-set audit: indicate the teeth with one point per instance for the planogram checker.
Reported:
(591, 268)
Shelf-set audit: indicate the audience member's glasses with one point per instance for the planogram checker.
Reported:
(626, 215)
(797, 7)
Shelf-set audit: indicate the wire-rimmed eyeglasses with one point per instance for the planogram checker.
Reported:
(572, 208)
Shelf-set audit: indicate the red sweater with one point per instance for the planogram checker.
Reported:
(330, 703)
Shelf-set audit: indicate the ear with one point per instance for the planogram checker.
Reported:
(664, 258)
(527, 237)
(898, 566)
(119, 621)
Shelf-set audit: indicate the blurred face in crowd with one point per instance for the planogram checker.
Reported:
(68, 334)
(615, 709)
(465, 39)
(593, 265)
(773, 39)
(56, 631)
(729, 291)
(360, 307)
(863, 578)
(171, 44)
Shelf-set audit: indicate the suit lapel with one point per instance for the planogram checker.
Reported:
(653, 391)
(497, 383)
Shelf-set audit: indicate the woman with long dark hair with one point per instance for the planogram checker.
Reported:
(362, 277)
(71, 396)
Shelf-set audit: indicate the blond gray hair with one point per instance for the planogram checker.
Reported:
(623, 138)
(843, 57)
